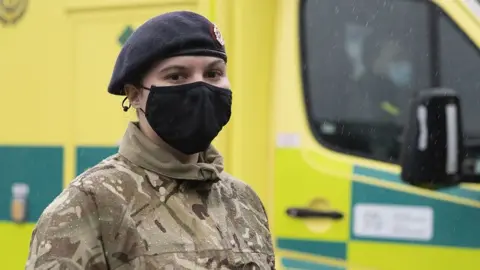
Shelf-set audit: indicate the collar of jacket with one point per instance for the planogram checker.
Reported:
(141, 151)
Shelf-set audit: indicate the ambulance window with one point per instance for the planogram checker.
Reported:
(459, 67)
(362, 61)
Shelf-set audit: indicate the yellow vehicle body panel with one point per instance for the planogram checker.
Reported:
(59, 120)
(310, 175)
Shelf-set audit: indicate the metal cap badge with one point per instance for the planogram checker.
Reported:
(217, 35)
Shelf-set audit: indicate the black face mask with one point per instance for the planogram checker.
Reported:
(188, 117)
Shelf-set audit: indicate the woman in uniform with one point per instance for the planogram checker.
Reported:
(164, 200)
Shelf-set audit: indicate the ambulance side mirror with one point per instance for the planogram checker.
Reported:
(432, 152)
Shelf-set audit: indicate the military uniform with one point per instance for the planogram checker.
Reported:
(142, 209)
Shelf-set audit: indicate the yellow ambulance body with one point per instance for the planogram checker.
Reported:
(303, 133)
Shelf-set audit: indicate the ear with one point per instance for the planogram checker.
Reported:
(134, 95)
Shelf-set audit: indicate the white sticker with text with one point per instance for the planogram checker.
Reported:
(399, 222)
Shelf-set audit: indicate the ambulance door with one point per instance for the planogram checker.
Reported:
(311, 189)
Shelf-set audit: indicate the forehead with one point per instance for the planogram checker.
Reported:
(189, 61)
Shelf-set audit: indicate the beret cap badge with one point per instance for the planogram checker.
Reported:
(217, 35)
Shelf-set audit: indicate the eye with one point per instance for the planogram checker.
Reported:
(175, 77)
(214, 74)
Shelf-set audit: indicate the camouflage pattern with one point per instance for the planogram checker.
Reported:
(141, 209)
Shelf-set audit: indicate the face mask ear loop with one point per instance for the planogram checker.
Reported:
(148, 89)
(125, 108)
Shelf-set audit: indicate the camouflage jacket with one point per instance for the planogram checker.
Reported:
(142, 209)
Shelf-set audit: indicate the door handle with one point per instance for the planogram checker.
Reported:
(312, 213)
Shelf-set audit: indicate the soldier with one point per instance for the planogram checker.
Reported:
(163, 201)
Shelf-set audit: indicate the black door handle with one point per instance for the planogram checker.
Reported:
(311, 213)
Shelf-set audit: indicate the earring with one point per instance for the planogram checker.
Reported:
(125, 108)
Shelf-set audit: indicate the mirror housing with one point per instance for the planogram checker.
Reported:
(432, 151)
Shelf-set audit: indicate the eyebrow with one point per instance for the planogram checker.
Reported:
(176, 67)
(214, 63)
(180, 67)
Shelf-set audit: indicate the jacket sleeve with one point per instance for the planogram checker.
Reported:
(271, 258)
(67, 235)
(258, 204)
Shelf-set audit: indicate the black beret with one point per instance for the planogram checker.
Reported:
(167, 35)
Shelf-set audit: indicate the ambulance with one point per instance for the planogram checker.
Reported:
(322, 126)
